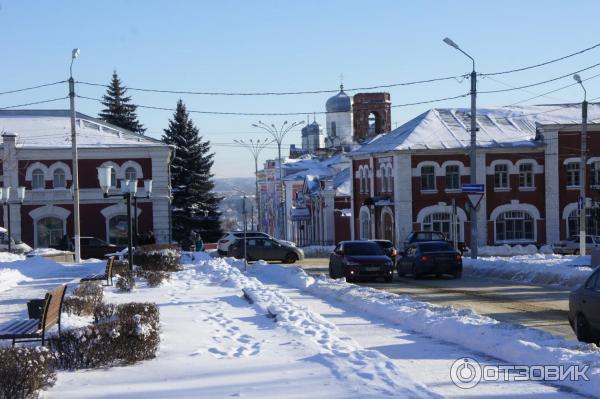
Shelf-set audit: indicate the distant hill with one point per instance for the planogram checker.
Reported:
(228, 184)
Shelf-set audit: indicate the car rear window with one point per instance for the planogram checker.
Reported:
(436, 247)
(426, 236)
(384, 244)
(362, 248)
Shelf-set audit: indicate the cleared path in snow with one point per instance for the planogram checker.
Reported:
(529, 305)
(425, 359)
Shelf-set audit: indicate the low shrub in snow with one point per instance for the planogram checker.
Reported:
(125, 282)
(122, 335)
(120, 267)
(154, 278)
(24, 371)
(158, 258)
(84, 299)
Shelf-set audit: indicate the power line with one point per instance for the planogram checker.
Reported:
(273, 113)
(35, 103)
(32, 87)
(555, 90)
(543, 63)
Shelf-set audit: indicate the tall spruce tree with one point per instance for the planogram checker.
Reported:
(195, 205)
(118, 108)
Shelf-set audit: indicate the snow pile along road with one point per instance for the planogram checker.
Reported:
(364, 371)
(513, 344)
(10, 278)
(557, 270)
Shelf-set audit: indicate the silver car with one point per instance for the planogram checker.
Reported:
(571, 245)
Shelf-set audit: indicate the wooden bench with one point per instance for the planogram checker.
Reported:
(107, 275)
(35, 329)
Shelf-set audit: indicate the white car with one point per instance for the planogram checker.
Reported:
(571, 245)
(230, 237)
(19, 248)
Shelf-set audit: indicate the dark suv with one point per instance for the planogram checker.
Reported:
(584, 309)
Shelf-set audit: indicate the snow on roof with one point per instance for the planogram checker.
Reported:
(52, 128)
(341, 183)
(448, 128)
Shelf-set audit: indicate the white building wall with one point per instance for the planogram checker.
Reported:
(551, 182)
(344, 128)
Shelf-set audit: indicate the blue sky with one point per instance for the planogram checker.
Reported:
(288, 46)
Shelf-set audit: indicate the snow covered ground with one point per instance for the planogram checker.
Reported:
(301, 338)
(544, 269)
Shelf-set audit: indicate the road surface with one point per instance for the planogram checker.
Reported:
(534, 306)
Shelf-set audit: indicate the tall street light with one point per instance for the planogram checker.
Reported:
(473, 152)
(75, 184)
(128, 192)
(582, 164)
(278, 135)
(255, 147)
(5, 196)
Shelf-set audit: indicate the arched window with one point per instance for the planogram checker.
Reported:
(592, 225)
(117, 230)
(366, 177)
(595, 174)
(130, 173)
(441, 221)
(333, 130)
(58, 179)
(384, 180)
(372, 121)
(390, 179)
(427, 178)
(365, 224)
(37, 179)
(50, 231)
(360, 180)
(113, 178)
(515, 226)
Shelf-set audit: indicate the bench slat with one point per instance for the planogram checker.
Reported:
(20, 327)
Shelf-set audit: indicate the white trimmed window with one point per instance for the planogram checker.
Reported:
(113, 178)
(130, 173)
(515, 226)
(573, 176)
(595, 174)
(592, 224)
(501, 176)
(441, 221)
(365, 225)
(37, 179)
(452, 177)
(382, 171)
(58, 179)
(526, 175)
(427, 178)
(390, 179)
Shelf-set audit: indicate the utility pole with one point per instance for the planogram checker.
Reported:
(582, 175)
(473, 149)
(278, 136)
(75, 183)
(255, 147)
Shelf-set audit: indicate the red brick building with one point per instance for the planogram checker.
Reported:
(527, 157)
(36, 147)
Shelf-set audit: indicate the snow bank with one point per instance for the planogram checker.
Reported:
(507, 250)
(363, 370)
(38, 267)
(558, 270)
(10, 278)
(318, 251)
(46, 252)
(511, 343)
(8, 257)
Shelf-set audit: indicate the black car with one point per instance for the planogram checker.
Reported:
(584, 309)
(431, 257)
(388, 249)
(356, 259)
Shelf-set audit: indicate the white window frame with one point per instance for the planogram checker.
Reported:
(364, 222)
(447, 188)
(501, 175)
(55, 174)
(36, 175)
(526, 176)
(573, 174)
(429, 176)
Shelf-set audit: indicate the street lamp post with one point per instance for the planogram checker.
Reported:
(128, 192)
(5, 196)
(278, 136)
(76, 226)
(582, 175)
(147, 192)
(255, 147)
(473, 150)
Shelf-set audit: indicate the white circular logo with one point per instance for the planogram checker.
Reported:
(465, 373)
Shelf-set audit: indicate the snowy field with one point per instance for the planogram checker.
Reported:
(302, 337)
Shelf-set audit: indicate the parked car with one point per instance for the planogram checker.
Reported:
(584, 305)
(356, 259)
(267, 249)
(92, 247)
(16, 247)
(388, 248)
(430, 257)
(424, 236)
(230, 237)
(570, 246)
